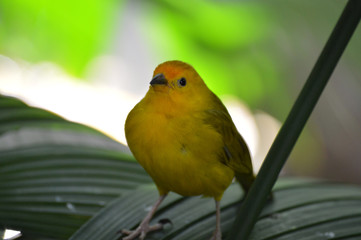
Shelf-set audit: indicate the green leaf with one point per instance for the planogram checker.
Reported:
(55, 174)
(298, 205)
(297, 118)
(69, 33)
(64, 180)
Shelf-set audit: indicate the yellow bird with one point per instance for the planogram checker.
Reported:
(184, 137)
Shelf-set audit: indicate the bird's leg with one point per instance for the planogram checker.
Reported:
(144, 227)
(217, 235)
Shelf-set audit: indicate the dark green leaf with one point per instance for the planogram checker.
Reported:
(297, 118)
(52, 179)
(297, 205)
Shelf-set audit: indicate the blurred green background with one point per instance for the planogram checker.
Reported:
(259, 51)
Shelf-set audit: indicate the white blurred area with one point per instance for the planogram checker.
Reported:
(45, 85)
(100, 102)
(11, 234)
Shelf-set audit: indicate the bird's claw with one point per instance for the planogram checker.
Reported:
(141, 231)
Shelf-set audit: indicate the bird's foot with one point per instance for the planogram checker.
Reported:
(143, 229)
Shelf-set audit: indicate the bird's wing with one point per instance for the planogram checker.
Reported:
(234, 152)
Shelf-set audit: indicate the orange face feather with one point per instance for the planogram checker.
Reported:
(172, 69)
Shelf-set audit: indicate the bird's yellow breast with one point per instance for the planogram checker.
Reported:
(181, 153)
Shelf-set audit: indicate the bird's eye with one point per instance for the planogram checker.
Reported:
(182, 82)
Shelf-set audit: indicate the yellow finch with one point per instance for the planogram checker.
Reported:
(184, 137)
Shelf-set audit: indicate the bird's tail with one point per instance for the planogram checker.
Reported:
(246, 180)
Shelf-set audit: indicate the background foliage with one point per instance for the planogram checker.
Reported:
(258, 51)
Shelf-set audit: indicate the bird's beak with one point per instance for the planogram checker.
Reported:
(159, 79)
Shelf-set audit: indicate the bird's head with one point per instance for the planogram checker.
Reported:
(178, 81)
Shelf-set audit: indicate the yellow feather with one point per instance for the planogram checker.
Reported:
(185, 138)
